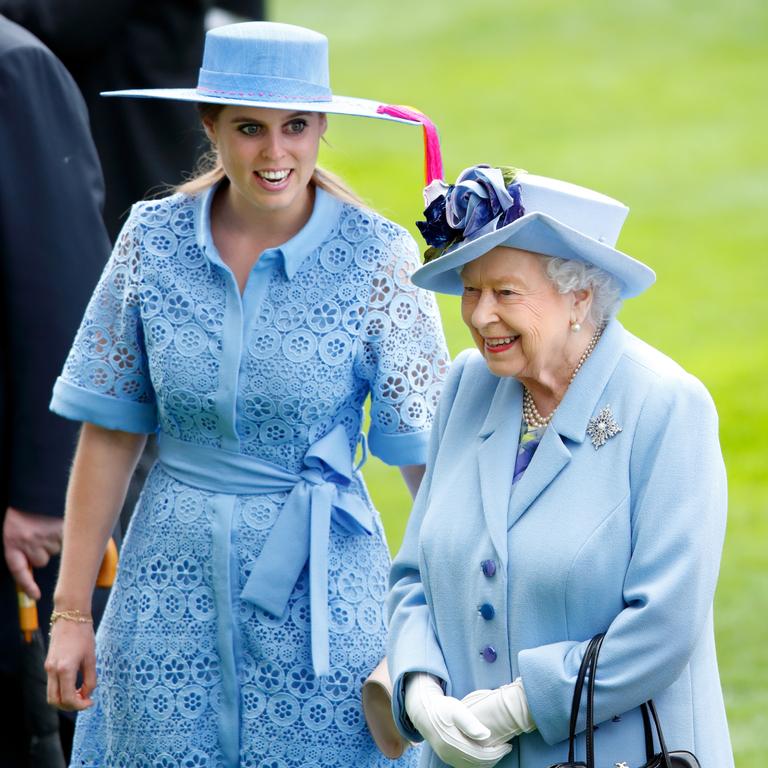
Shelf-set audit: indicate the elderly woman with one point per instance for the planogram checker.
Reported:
(574, 486)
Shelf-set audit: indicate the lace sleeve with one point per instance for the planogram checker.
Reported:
(404, 357)
(105, 378)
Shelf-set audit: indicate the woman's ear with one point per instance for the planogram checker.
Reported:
(209, 126)
(582, 301)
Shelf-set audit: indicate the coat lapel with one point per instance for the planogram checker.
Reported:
(496, 460)
(585, 395)
(550, 458)
(569, 425)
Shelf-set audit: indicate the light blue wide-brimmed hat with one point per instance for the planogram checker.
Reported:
(267, 64)
(490, 207)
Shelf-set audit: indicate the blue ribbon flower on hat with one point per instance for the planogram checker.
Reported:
(489, 207)
(482, 198)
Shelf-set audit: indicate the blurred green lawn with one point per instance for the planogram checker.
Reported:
(660, 104)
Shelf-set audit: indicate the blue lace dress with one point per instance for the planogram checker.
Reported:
(248, 603)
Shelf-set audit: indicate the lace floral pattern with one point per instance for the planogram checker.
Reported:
(162, 344)
(160, 678)
(348, 322)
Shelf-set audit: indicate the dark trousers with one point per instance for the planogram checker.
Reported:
(14, 730)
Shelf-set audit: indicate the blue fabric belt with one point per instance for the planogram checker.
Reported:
(319, 494)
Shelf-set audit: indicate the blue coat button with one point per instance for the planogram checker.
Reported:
(489, 654)
(487, 611)
(489, 568)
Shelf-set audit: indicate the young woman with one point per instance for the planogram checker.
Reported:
(246, 319)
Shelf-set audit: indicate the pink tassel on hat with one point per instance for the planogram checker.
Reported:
(433, 160)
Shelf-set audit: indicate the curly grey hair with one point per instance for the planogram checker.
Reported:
(571, 275)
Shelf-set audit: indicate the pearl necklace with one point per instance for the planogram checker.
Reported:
(530, 412)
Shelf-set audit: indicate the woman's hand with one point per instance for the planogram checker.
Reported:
(504, 711)
(71, 650)
(452, 731)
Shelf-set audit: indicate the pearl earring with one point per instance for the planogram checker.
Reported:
(575, 327)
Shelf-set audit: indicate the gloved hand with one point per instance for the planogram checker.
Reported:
(451, 729)
(504, 711)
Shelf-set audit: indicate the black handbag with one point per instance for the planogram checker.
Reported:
(662, 759)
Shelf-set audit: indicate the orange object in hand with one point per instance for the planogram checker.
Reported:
(27, 615)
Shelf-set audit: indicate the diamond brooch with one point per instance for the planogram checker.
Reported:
(602, 427)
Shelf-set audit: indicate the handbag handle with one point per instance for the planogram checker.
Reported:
(588, 672)
(591, 701)
(647, 707)
(589, 659)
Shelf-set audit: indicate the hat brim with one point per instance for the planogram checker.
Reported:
(538, 233)
(337, 105)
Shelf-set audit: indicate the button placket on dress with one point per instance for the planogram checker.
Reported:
(237, 309)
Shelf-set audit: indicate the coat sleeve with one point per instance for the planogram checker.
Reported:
(678, 509)
(52, 247)
(413, 644)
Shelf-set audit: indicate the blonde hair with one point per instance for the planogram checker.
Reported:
(210, 171)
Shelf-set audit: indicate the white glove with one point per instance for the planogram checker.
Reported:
(451, 729)
(504, 711)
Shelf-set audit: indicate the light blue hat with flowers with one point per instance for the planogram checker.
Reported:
(489, 207)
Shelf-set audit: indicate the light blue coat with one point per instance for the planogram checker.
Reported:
(624, 539)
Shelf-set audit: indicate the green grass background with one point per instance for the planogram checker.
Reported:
(661, 104)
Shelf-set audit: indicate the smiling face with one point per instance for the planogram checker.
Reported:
(518, 319)
(268, 155)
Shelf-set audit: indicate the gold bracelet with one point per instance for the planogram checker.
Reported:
(74, 615)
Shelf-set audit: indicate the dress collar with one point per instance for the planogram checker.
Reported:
(293, 252)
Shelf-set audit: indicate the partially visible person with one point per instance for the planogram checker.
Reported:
(143, 148)
(574, 486)
(247, 318)
(52, 247)
(119, 44)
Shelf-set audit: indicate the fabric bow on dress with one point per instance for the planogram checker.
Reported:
(318, 495)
